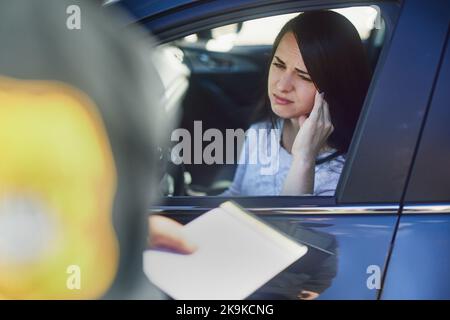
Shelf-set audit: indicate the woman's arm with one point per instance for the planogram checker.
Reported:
(300, 178)
(312, 136)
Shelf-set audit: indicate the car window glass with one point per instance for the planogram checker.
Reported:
(264, 30)
(228, 69)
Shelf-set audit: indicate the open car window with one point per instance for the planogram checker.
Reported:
(228, 70)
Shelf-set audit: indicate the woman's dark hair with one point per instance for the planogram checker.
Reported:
(337, 64)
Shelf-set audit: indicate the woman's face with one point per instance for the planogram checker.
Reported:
(291, 91)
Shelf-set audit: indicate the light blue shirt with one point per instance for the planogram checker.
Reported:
(266, 178)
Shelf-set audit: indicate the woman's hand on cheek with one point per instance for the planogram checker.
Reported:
(314, 131)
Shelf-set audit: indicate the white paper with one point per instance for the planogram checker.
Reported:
(232, 261)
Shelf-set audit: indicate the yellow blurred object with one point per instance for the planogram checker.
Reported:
(57, 185)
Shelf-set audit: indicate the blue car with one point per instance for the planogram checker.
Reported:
(385, 234)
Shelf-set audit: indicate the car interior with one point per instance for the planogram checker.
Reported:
(226, 80)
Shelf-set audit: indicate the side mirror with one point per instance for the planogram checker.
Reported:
(239, 26)
(205, 35)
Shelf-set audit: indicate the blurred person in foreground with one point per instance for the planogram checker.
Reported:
(80, 123)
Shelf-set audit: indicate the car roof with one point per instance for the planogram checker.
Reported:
(145, 8)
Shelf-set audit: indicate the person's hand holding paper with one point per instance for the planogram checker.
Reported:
(167, 233)
(236, 254)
